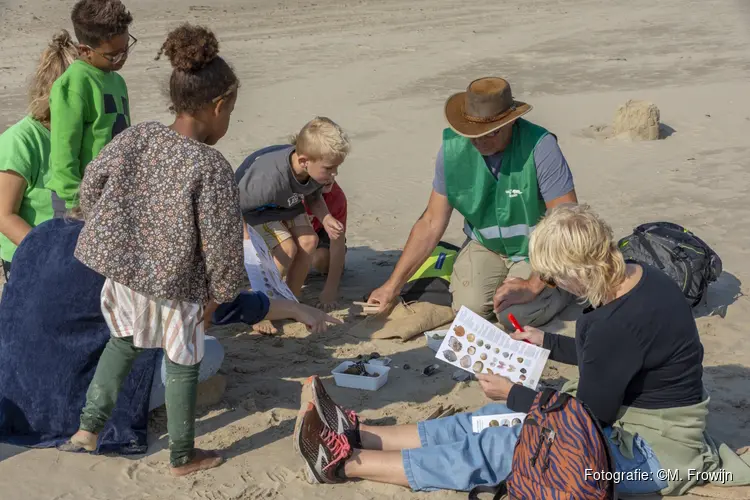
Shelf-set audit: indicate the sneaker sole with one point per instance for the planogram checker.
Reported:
(310, 474)
(318, 406)
(306, 397)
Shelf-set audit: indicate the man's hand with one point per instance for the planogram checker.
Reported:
(495, 387)
(333, 227)
(533, 335)
(315, 319)
(514, 291)
(382, 297)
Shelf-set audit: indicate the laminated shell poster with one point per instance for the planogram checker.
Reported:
(478, 346)
(261, 268)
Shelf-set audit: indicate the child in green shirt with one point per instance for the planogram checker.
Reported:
(24, 154)
(89, 102)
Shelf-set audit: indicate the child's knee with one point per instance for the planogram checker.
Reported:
(308, 243)
(288, 248)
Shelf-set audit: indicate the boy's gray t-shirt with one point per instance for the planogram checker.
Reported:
(269, 191)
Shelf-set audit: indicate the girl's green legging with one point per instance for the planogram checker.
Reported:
(181, 393)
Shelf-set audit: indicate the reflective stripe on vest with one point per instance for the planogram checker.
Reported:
(494, 232)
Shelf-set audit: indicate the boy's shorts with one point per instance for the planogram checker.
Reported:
(324, 241)
(277, 231)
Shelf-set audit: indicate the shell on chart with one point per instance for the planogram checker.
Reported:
(471, 350)
(480, 342)
(483, 357)
(465, 362)
(455, 344)
(478, 367)
(459, 331)
(450, 355)
(471, 337)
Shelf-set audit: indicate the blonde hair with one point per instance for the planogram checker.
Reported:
(573, 245)
(322, 138)
(59, 54)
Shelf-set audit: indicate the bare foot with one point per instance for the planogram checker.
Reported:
(203, 459)
(265, 327)
(80, 441)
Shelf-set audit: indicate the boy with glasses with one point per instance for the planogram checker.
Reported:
(89, 102)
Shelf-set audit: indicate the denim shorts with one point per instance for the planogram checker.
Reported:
(449, 444)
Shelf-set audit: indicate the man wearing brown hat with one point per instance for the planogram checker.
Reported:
(502, 173)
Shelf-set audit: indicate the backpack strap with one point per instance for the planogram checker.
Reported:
(639, 233)
(547, 394)
(498, 491)
(562, 399)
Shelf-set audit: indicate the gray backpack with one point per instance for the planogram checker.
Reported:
(687, 259)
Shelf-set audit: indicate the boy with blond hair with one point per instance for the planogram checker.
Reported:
(273, 184)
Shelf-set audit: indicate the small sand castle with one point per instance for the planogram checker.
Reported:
(637, 120)
(634, 121)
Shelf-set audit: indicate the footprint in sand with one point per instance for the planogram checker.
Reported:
(281, 475)
(139, 470)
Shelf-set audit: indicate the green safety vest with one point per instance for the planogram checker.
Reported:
(503, 212)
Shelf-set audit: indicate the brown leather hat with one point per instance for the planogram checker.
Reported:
(486, 106)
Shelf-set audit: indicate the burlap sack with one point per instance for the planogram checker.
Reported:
(404, 321)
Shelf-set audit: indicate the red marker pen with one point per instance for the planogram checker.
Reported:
(517, 325)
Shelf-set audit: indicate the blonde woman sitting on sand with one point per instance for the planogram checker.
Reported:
(639, 359)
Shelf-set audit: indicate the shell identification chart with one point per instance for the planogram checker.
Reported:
(478, 346)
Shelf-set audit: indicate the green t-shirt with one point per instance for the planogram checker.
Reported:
(88, 108)
(24, 149)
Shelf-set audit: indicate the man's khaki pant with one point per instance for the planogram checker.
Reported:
(477, 274)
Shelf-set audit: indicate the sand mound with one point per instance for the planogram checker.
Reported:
(634, 121)
(637, 120)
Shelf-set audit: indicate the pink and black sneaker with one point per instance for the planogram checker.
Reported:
(336, 418)
(323, 450)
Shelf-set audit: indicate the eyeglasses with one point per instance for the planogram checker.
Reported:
(116, 58)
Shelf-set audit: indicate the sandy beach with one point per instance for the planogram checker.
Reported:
(383, 69)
